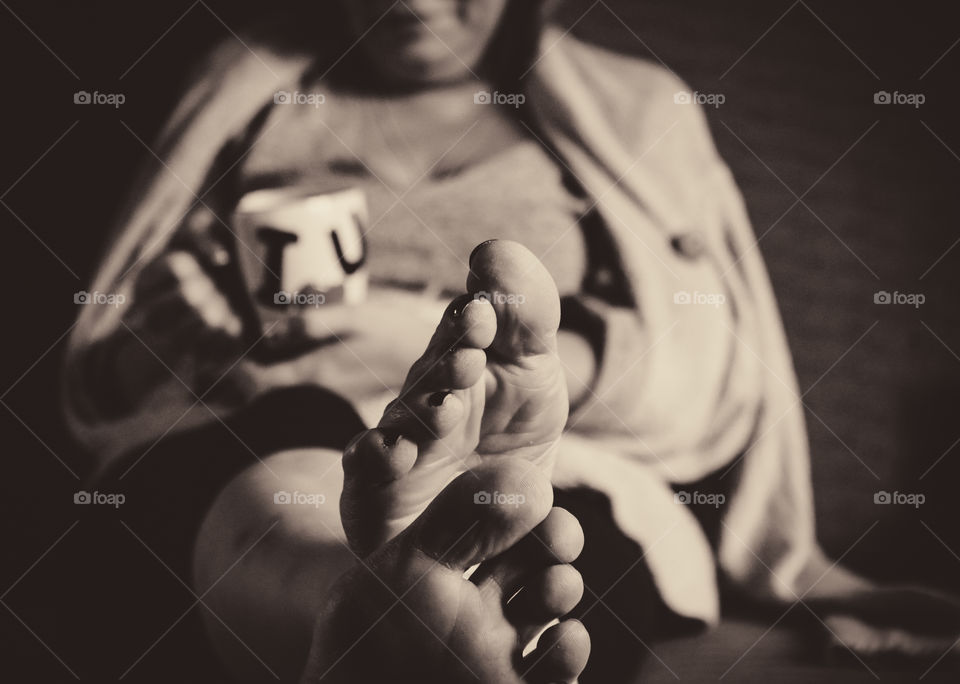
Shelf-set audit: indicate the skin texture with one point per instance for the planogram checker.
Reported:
(407, 611)
(488, 387)
(487, 400)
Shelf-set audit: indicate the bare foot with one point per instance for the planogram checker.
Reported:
(478, 421)
(406, 613)
(489, 387)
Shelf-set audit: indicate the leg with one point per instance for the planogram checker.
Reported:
(268, 565)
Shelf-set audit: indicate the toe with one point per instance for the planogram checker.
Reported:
(378, 456)
(468, 321)
(428, 408)
(373, 461)
(560, 656)
(481, 514)
(454, 368)
(454, 359)
(550, 594)
(558, 539)
(522, 293)
(424, 416)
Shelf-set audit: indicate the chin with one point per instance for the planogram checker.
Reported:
(419, 69)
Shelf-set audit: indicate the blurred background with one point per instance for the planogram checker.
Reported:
(849, 197)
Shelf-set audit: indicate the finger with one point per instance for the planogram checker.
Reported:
(165, 274)
(198, 233)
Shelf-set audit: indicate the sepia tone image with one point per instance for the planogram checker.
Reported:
(493, 341)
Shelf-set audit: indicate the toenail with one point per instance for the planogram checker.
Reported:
(390, 438)
(460, 307)
(436, 399)
(477, 249)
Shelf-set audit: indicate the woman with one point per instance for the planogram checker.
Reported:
(455, 122)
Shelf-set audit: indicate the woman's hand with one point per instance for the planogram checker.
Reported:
(182, 319)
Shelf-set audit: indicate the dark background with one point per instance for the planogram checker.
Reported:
(882, 215)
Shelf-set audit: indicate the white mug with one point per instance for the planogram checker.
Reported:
(299, 250)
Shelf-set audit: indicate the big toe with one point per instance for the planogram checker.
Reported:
(523, 294)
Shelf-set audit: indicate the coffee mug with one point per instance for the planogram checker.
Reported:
(299, 251)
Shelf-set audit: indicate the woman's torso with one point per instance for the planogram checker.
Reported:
(439, 172)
